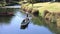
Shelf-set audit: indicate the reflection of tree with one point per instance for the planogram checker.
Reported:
(5, 19)
(38, 20)
(2, 10)
(52, 26)
(6, 9)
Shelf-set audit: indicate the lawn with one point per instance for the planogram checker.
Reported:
(52, 7)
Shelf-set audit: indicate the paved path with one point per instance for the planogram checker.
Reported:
(11, 7)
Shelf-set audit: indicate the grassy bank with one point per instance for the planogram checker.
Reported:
(53, 14)
(52, 7)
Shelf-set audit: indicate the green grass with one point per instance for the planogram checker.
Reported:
(52, 7)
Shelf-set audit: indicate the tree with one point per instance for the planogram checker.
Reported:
(32, 3)
(53, 0)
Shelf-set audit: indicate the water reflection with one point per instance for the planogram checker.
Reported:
(53, 27)
(15, 24)
(4, 15)
(6, 9)
(5, 19)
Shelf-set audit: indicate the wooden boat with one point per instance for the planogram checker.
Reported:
(24, 26)
(25, 23)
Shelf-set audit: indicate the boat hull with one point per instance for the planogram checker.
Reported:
(24, 24)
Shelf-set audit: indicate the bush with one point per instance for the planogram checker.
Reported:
(34, 1)
(35, 12)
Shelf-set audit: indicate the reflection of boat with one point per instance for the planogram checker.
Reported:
(6, 13)
(25, 23)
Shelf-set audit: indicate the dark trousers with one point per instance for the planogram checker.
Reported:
(27, 15)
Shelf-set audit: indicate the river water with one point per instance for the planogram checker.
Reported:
(12, 25)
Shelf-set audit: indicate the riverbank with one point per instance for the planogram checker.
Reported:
(52, 7)
(3, 4)
(47, 10)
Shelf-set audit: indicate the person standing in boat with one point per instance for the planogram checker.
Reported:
(27, 14)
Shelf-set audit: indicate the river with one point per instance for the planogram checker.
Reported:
(12, 25)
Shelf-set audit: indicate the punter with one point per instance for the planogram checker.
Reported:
(27, 14)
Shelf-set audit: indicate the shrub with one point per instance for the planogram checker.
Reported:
(33, 1)
(35, 12)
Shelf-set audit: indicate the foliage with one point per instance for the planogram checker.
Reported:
(6, 9)
(34, 1)
(38, 20)
(2, 3)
